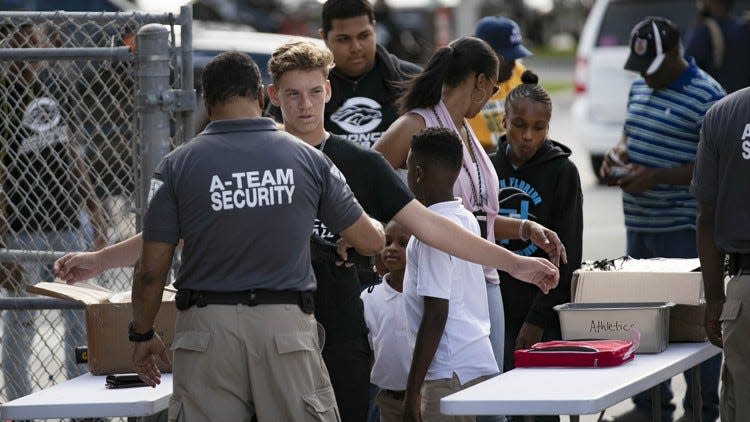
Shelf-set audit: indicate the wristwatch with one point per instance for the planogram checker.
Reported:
(138, 337)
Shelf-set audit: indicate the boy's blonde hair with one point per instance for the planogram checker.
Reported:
(299, 55)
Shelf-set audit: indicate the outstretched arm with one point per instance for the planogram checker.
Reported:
(442, 233)
(80, 266)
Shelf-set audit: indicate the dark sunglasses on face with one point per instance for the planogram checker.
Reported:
(495, 88)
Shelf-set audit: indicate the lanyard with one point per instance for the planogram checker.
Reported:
(478, 197)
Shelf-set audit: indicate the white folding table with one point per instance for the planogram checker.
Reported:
(86, 397)
(578, 391)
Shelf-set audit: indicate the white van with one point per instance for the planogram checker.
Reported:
(600, 82)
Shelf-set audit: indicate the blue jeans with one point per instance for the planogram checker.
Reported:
(497, 322)
(497, 335)
(677, 244)
(373, 413)
(19, 325)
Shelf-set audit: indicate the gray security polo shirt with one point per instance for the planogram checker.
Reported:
(722, 170)
(244, 197)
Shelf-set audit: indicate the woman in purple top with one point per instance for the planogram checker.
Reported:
(455, 85)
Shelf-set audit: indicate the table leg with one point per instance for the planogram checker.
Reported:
(574, 418)
(697, 399)
(656, 403)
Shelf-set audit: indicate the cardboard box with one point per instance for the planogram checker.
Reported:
(107, 317)
(650, 280)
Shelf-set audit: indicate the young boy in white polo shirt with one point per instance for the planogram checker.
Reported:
(445, 297)
(388, 331)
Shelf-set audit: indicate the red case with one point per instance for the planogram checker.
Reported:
(584, 353)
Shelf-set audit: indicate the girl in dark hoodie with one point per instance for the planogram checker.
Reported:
(537, 182)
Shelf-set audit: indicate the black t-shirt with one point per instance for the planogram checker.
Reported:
(38, 159)
(361, 110)
(382, 195)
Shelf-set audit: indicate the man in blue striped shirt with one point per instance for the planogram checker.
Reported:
(653, 165)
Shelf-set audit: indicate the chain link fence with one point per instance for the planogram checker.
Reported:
(73, 164)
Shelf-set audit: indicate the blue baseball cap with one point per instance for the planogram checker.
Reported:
(503, 35)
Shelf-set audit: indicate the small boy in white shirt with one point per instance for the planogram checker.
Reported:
(388, 331)
(445, 297)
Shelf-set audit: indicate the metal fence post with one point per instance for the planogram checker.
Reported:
(152, 62)
(186, 48)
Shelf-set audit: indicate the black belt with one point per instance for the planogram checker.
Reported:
(396, 394)
(186, 298)
(739, 263)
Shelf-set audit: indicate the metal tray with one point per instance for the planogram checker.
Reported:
(591, 321)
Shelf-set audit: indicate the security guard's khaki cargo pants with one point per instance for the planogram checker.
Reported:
(233, 361)
(735, 375)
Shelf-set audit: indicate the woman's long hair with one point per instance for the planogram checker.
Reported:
(448, 66)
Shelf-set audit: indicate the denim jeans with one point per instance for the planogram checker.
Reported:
(497, 322)
(373, 412)
(677, 244)
(19, 326)
(497, 335)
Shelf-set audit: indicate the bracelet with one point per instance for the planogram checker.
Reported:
(139, 337)
(520, 229)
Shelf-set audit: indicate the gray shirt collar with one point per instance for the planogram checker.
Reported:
(240, 125)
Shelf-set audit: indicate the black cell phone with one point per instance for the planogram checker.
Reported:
(124, 381)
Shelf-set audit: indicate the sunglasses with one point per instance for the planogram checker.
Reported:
(495, 88)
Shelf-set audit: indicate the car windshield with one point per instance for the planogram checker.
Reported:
(622, 16)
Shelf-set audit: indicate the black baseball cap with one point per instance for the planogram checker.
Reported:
(650, 40)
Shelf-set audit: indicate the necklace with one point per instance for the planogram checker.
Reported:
(470, 145)
(477, 193)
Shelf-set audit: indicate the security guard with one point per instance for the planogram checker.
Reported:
(720, 184)
(243, 196)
